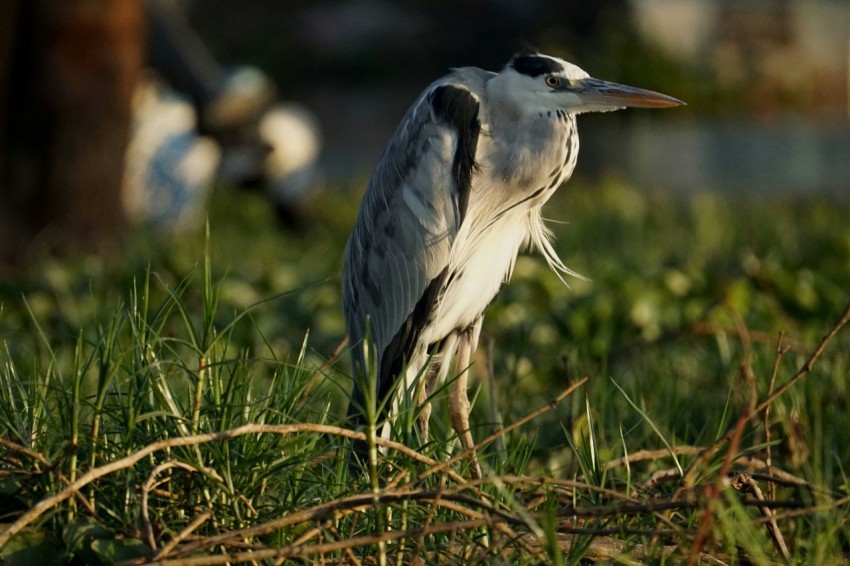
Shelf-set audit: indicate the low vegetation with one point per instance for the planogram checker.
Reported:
(689, 402)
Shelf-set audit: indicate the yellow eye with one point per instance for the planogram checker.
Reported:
(553, 81)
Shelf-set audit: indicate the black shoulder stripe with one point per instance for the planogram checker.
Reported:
(459, 108)
(400, 349)
(535, 65)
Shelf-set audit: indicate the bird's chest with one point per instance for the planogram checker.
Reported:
(482, 259)
(511, 184)
(533, 157)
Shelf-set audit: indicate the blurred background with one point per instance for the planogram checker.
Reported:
(766, 80)
(162, 97)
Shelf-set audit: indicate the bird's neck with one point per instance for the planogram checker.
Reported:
(533, 149)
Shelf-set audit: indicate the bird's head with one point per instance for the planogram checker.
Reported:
(540, 83)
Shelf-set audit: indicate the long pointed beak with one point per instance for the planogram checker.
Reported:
(601, 94)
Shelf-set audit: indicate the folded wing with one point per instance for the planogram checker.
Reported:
(396, 260)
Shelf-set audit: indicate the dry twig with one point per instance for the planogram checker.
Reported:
(128, 461)
(151, 483)
(501, 432)
(733, 435)
(745, 484)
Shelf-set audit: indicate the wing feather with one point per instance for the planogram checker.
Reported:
(396, 259)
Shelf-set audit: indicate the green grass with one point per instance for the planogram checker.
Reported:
(189, 394)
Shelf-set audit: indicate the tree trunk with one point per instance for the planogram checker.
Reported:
(67, 72)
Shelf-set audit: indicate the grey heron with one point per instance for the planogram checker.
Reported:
(457, 193)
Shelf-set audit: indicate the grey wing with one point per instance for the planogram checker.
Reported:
(396, 259)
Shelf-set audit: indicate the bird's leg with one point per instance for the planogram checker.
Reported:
(459, 409)
(458, 400)
(436, 373)
(424, 410)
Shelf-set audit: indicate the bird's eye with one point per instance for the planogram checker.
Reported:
(553, 81)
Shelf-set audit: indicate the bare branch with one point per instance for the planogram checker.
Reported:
(128, 461)
(501, 432)
(745, 484)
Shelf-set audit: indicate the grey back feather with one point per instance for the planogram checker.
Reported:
(396, 257)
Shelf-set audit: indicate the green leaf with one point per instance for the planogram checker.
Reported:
(33, 546)
(119, 549)
(95, 544)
